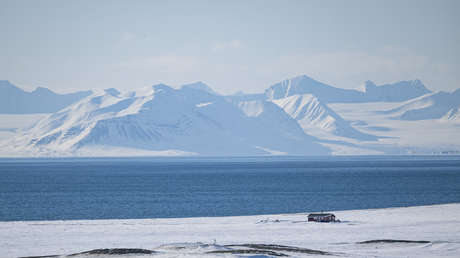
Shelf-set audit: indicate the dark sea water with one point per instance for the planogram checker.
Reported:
(55, 189)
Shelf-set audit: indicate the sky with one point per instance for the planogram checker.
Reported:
(230, 45)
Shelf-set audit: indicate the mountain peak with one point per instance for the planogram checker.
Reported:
(199, 86)
(305, 79)
(369, 85)
(305, 85)
(112, 91)
(161, 86)
(418, 84)
(398, 91)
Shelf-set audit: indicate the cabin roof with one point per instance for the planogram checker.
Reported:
(320, 214)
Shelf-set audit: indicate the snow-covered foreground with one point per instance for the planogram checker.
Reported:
(195, 237)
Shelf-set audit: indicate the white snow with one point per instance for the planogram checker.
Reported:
(430, 106)
(271, 152)
(12, 124)
(204, 104)
(399, 136)
(192, 237)
(299, 116)
(318, 119)
(161, 121)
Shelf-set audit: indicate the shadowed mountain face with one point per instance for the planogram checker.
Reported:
(14, 100)
(395, 92)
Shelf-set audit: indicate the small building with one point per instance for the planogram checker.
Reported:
(321, 217)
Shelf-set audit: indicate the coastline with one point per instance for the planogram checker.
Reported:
(436, 224)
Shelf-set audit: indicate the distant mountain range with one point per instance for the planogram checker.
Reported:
(395, 92)
(292, 117)
(14, 100)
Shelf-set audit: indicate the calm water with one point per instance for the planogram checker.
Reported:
(49, 189)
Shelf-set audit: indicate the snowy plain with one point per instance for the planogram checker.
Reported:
(438, 225)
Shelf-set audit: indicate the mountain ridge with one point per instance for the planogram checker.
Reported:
(14, 100)
(164, 118)
(195, 120)
(394, 92)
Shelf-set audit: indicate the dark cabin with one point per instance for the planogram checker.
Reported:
(321, 217)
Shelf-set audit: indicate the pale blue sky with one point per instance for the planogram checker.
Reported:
(230, 45)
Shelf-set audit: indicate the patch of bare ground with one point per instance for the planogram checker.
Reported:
(279, 248)
(394, 241)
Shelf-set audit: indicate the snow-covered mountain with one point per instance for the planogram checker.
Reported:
(306, 85)
(161, 118)
(432, 106)
(311, 114)
(200, 86)
(395, 92)
(14, 100)
(299, 116)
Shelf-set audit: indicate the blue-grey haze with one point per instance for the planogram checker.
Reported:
(231, 45)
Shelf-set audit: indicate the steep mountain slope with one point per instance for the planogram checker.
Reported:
(13, 100)
(431, 106)
(160, 118)
(395, 92)
(311, 114)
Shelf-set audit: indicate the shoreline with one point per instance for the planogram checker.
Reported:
(428, 233)
(229, 216)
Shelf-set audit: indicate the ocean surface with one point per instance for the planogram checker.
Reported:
(121, 188)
